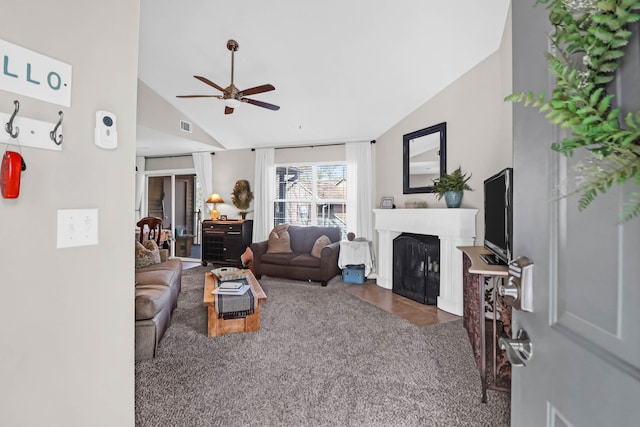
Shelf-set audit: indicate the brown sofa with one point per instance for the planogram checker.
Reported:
(300, 265)
(157, 289)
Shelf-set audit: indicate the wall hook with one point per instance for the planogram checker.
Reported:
(9, 125)
(53, 133)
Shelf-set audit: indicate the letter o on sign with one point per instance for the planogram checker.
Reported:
(54, 76)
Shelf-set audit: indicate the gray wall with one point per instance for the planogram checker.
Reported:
(66, 323)
(228, 167)
(168, 163)
(156, 113)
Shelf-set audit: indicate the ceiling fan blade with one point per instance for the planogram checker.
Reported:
(209, 82)
(257, 89)
(261, 104)
(228, 110)
(198, 96)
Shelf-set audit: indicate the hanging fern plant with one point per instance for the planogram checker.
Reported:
(589, 37)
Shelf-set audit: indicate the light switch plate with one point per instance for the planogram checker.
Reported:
(77, 227)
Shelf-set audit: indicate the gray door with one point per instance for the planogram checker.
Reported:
(585, 327)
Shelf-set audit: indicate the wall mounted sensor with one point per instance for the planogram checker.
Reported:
(106, 134)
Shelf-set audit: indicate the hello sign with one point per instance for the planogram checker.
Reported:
(29, 73)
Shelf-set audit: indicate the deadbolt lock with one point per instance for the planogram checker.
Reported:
(518, 292)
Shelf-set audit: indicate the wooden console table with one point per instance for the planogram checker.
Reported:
(476, 272)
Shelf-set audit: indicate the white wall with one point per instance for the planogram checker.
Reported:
(66, 323)
(479, 133)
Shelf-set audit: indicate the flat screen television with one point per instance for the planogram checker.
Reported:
(498, 217)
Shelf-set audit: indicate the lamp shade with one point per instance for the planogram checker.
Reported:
(215, 198)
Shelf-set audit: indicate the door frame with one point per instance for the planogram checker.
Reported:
(171, 173)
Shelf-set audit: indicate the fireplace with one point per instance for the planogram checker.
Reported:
(454, 227)
(416, 267)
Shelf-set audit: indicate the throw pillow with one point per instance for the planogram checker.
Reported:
(144, 256)
(279, 240)
(155, 250)
(247, 257)
(320, 243)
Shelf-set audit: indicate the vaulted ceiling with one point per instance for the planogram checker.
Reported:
(343, 70)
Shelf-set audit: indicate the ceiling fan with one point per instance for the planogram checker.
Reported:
(231, 95)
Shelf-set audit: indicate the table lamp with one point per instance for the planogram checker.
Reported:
(213, 199)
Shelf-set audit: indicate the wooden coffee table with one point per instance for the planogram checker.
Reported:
(217, 327)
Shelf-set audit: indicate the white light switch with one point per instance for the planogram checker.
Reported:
(77, 227)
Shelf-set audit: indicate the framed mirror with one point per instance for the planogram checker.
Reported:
(424, 158)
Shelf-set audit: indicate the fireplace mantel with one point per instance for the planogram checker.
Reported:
(454, 227)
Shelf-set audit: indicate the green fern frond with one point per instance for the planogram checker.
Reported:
(629, 120)
(580, 101)
(607, 5)
(631, 207)
(587, 198)
(632, 18)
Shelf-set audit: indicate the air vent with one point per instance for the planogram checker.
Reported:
(185, 126)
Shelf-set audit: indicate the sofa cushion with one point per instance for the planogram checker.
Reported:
(279, 240)
(279, 259)
(304, 237)
(305, 260)
(320, 243)
(145, 256)
(151, 299)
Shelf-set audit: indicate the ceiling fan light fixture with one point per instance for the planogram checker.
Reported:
(231, 102)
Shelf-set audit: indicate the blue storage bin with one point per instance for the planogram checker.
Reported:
(353, 274)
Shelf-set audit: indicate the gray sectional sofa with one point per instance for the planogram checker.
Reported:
(157, 289)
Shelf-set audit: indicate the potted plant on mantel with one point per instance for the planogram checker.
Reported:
(452, 187)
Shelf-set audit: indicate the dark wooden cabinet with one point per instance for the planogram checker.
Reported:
(223, 242)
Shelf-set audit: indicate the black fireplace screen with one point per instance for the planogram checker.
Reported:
(416, 267)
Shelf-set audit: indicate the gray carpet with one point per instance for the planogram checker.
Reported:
(321, 358)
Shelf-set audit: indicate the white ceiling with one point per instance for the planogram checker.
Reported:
(344, 70)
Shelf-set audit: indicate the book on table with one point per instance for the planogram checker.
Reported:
(231, 285)
(237, 291)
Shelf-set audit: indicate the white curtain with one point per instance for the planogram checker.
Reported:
(203, 165)
(263, 193)
(359, 189)
(140, 181)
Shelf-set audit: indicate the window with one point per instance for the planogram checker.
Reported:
(311, 194)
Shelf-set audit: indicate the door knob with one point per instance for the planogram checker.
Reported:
(518, 349)
(510, 290)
